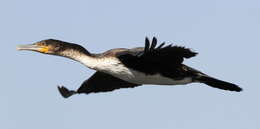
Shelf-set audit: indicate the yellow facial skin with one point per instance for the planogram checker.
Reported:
(44, 49)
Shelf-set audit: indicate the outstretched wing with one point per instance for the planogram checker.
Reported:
(102, 82)
(170, 54)
(98, 82)
(154, 59)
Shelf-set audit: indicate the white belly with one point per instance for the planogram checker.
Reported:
(115, 68)
(141, 78)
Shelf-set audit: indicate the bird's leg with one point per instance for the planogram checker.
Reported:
(65, 92)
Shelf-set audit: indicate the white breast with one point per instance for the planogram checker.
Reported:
(114, 67)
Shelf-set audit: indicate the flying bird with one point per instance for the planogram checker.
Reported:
(127, 68)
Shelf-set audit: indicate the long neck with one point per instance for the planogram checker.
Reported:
(85, 58)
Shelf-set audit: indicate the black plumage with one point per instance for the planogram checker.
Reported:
(98, 82)
(166, 60)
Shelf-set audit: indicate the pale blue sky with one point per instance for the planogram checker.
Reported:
(224, 32)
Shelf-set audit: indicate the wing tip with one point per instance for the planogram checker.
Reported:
(147, 44)
(65, 92)
(186, 52)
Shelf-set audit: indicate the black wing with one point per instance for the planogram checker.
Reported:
(170, 54)
(98, 82)
(152, 59)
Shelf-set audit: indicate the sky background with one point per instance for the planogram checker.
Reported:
(224, 32)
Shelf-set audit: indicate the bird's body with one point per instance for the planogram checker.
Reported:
(113, 66)
(125, 68)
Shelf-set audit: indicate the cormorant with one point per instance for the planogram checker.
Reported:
(128, 68)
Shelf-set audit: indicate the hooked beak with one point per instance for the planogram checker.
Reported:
(33, 47)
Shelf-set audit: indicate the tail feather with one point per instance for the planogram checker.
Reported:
(219, 84)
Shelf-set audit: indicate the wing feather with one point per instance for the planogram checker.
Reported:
(147, 45)
(154, 43)
(165, 53)
(102, 82)
(164, 59)
(98, 82)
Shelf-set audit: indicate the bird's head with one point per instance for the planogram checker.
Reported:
(54, 47)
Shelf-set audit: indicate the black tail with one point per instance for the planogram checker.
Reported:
(66, 92)
(218, 83)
